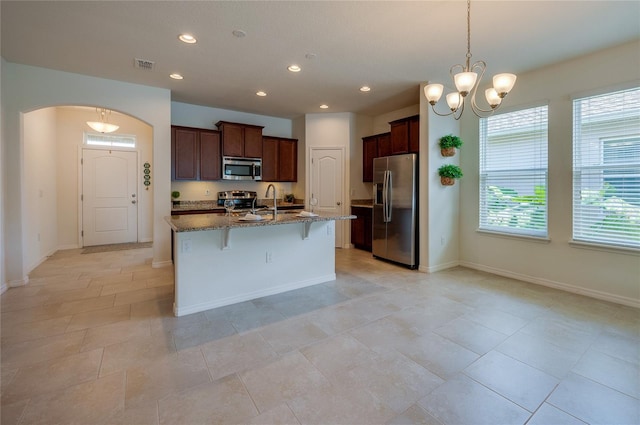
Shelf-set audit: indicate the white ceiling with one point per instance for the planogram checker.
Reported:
(391, 46)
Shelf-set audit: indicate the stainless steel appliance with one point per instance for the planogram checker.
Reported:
(395, 225)
(241, 168)
(242, 199)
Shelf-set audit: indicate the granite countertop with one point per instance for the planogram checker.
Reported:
(213, 205)
(197, 222)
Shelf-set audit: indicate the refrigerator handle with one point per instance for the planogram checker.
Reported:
(384, 197)
(389, 204)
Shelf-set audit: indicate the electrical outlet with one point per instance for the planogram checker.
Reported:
(207, 192)
(186, 246)
(442, 240)
(269, 257)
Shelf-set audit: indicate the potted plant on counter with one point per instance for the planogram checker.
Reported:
(174, 197)
(449, 144)
(449, 173)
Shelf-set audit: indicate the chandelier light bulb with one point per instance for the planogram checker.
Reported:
(503, 83)
(454, 100)
(465, 81)
(493, 99)
(433, 92)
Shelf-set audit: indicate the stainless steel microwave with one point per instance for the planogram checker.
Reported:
(241, 168)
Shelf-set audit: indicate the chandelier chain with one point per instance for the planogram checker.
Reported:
(468, 32)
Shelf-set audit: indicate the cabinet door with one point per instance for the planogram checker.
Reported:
(368, 229)
(287, 160)
(269, 159)
(384, 144)
(414, 134)
(369, 152)
(232, 140)
(399, 137)
(253, 142)
(210, 159)
(357, 228)
(184, 147)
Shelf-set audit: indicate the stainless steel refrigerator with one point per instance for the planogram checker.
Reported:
(395, 209)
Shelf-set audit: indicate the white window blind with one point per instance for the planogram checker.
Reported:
(513, 172)
(606, 169)
(113, 140)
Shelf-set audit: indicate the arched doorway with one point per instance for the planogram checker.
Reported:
(54, 141)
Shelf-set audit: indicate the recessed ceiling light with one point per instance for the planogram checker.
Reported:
(365, 88)
(187, 38)
(323, 106)
(261, 93)
(294, 68)
(238, 33)
(176, 76)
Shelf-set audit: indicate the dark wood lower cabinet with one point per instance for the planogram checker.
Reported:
(361, 230)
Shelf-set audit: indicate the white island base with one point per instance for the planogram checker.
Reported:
(214, 268)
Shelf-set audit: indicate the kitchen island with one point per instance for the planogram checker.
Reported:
(221, 260)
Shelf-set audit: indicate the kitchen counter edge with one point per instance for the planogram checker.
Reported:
(199, 222)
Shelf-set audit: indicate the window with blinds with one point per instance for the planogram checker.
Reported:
(513, 172)
(112, 140)
(606, 169)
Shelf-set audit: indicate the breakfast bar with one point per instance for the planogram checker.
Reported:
(221, 260)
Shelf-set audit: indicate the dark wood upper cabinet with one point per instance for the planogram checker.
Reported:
(279, 159)
(241, 140)
(405, 135)
(195, 154)
(374, 147)
(184, 152)
(210, 156)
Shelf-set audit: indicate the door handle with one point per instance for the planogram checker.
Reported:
(338, 203)
(133, 202)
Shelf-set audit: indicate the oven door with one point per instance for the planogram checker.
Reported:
(241, 169)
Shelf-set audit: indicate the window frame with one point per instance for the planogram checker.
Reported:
(537, 172)
(617, 130)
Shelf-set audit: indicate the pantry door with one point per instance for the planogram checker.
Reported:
(326, 183)
(109, 197)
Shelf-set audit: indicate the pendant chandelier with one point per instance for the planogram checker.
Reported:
(103, 126)
(467, 79)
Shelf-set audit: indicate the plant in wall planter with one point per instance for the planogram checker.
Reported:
(449, 144)
(449, 173)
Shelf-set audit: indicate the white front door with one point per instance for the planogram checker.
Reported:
(109, 197)
(326, 184)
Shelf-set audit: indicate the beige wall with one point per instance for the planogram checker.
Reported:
(40, 187)
(608, 274)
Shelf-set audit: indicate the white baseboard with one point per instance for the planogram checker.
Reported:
(438, 267)
(161, 264)
(605, 296)
(3, 288)
(18, 282)
(251, 295)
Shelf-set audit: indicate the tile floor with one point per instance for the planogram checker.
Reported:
(92, 340)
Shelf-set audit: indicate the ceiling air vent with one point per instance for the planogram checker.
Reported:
(144, 64)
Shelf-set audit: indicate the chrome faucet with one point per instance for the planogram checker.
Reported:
(275, 207)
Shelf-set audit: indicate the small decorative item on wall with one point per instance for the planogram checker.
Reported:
(147, 175)
(449, 144)
(449, 173)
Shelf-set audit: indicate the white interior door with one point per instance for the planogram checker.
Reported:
(109, 197)
(327, 184)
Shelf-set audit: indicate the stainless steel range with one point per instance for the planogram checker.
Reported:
(242, 199)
